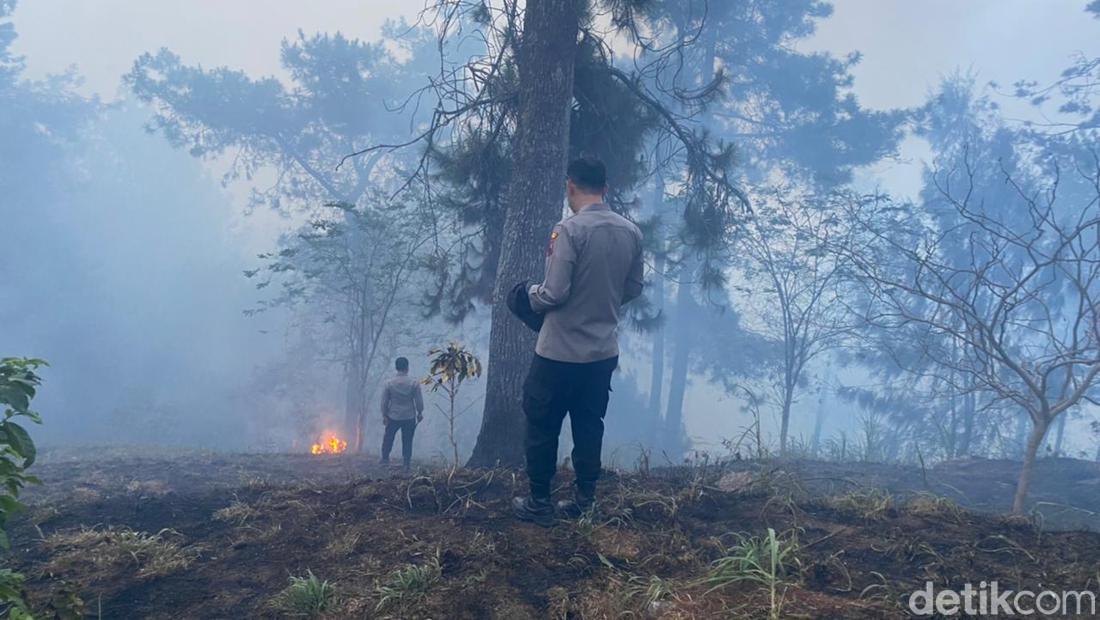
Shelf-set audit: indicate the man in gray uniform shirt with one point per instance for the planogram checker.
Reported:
(593, 267)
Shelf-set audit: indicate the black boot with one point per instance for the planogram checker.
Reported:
(537, 510)
(582, 502)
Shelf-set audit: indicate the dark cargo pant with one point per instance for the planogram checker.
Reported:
(552, 390)
(407, 428)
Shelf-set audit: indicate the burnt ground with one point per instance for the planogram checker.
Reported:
(124, 534)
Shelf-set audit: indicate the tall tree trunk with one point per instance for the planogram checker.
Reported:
(819, 422)
(1019, 448)
(545, 59)
(354, 405)
(657, 369)
(951, 436)
(1034, 440)
(686, 312)
(1060, 434)
(969, 411)
(785, 421)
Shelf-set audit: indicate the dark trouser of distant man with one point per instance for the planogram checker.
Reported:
(552, 390)
(593, 267)
(402, 408)
(407, 428)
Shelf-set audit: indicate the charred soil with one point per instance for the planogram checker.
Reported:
(221, 536)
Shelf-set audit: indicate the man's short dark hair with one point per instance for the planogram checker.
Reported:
(401, 364)
(587, 173)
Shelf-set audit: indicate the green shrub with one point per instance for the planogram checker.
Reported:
(18, 383)
(305, 596)
(408, 583)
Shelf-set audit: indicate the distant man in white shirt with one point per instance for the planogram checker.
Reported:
(402, 409)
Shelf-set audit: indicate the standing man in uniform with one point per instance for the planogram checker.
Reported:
(402, 409)
(593, 267)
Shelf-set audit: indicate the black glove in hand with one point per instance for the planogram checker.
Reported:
(520, 305)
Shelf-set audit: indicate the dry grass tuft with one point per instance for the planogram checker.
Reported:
(155, 488)
(118, 550)
(237, 512)
(867, 504)
(343, 544)
(929, 505)
(86, 495)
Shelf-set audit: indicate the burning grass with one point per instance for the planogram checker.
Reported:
(329, 445)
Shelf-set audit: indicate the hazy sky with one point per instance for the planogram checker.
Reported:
(102, 38)
(906, 45)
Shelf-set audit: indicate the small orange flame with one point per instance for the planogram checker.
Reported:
(330, 445)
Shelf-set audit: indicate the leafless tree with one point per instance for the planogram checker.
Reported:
(350, 265)
(794, 285)
(1018, 319)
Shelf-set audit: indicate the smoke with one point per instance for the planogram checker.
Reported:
(121, 257)
(130, 286)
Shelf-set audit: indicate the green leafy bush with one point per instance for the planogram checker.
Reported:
(408, 583)
(18, 383)
(305, 596)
